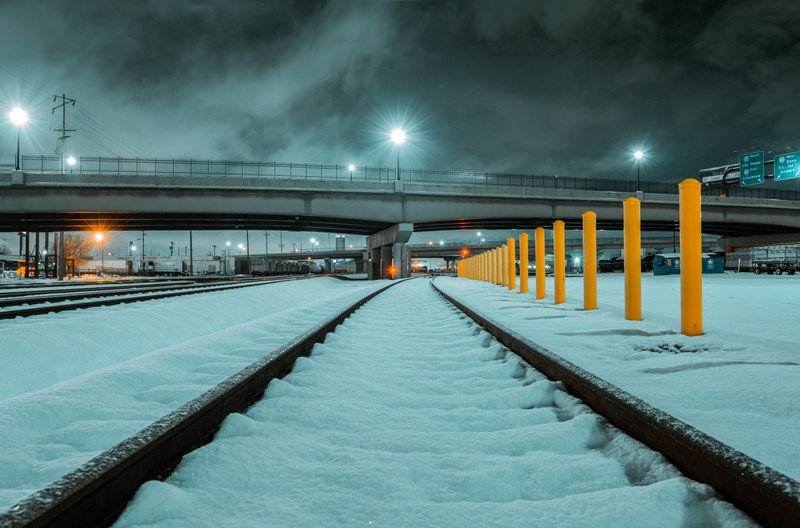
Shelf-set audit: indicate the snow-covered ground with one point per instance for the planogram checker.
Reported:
(411, 415)
(73, 384)
(739, 382)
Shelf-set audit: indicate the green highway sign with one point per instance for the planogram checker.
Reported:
(787, 166)
(751, 168)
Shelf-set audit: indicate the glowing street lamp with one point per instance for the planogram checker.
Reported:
(398, 137)
(19, 117)
(351, 168)
(71, 161)
(98, 237)
(638, 155)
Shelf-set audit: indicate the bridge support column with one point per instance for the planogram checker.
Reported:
(386, 242)
(374, 267)
(402, 260)
(385, 262)
(327, 265)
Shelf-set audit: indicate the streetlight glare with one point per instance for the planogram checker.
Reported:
(351, 167)
(98, 237)
(71, 160)
(638, 154)
(398, 136)
(18, 116)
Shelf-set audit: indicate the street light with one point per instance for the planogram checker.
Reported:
(638, 155)
(351, 168)
(19, 118)
(98, 237)
(71, 162)
(398, 137)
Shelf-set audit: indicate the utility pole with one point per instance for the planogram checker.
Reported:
(61, 264)
(64, 131)
(266, 242)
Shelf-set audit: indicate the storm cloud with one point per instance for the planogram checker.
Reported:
(566, 88)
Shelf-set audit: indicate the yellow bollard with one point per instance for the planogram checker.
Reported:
(495, 257)
(504, 265)
(633, 258)
(512, 264)
(589, 261)
(540, 271)
(523, 263)
(691, 258)
(559, 262)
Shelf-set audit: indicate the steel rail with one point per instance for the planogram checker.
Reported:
(45, 309)
(96, 493)
(89, 293)
(770, 497)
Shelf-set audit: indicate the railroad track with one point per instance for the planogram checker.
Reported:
(15, 305)
(96, 493)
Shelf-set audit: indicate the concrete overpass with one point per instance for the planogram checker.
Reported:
(67, 202)
(157, 199)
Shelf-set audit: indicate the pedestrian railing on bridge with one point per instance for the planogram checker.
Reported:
(306, 171)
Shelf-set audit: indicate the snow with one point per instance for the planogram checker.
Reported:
(738, 382)
(410, 414)
(75, 383)
(429, 421)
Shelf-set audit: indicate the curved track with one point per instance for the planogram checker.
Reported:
(101, 489)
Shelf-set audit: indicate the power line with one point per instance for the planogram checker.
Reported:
(65, 101)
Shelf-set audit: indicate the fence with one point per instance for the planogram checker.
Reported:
(305, 171)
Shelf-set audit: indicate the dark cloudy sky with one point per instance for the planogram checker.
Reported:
(566, 87)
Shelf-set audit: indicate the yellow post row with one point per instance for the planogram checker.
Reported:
(589, 261)
(559, 262)
(523, 263)
(691, 258)
(512, 264)
(632, 242)
(540, 271)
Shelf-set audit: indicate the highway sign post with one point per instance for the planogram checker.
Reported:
(787, 166)
(751, 168)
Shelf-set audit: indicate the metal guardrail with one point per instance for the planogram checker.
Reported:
(306, 171)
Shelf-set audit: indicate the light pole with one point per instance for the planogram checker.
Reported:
(351, 168)
(227, 255)
(638, 155)
(19, 118)
(100, 238)
(398, 137)
(313, 242)
(71, 162)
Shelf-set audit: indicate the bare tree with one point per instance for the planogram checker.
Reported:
(77, 246)
(4, 250)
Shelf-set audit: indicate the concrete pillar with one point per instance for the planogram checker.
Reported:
(401, 260)
(374, 268)
(385, 262)
(328, 269)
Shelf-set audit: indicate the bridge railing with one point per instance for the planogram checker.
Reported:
(306, 171)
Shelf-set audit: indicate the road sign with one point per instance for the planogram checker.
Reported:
(751, 168)
(787, 166)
